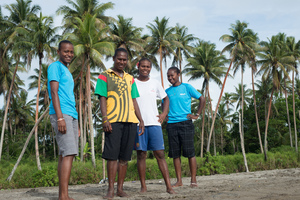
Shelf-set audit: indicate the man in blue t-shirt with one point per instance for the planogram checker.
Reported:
(180, 127)
(63, 114)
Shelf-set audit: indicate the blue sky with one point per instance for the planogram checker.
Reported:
(207, 20)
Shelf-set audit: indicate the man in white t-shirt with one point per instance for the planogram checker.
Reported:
(150, 90)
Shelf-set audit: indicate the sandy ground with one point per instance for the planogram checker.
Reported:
(264, 185)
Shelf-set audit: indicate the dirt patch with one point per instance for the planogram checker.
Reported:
(263, 185)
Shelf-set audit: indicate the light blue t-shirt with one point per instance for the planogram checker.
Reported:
(180, 101)
(60, 73)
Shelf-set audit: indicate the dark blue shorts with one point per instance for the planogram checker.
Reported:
(151, 140)
(181, 135)
(119, 144)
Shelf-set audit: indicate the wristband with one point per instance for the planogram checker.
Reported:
(60, 119)
(197, 114)
(105, 121)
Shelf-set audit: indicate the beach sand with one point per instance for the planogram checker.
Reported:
(283, 184)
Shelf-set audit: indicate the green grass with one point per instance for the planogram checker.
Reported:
(27, 175)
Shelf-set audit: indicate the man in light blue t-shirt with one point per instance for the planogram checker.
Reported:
(63, 114)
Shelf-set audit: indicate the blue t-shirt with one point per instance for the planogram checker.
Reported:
(180, 101)
(60, 73)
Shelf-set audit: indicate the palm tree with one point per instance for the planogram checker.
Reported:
(227, 99)
(79, 8)
(91, 42)
(42, 38)
(275, 61)
(183, 40)
(206, 62)
(294, 49)
(245, 53)
(127, 36)
(161, 41)
(20, 15)
(238, 96)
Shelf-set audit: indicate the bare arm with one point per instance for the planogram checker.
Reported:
(139, 116)
(61, 124)
(165, 109)
(200, 108)
(106, 124)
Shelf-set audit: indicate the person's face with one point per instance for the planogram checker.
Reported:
(66, 53)
(173, 77)
(144, 68)
(120, 61)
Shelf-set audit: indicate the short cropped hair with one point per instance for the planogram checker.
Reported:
(120, 50)
(143, 59)
(64, 42)
(175, 69)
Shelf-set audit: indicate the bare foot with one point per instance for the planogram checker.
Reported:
(143, 190)
(109, 194)
(171, 191)
(121, 193)
(177, 184)
(193, 185)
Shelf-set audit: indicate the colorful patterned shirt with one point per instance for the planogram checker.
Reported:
(119, 93)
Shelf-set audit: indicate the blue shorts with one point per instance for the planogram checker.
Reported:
(151, 140)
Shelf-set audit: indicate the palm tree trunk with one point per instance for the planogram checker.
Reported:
(7, 106)
(203, 119)
(180, 70)
(37, 154)
(103, 160)
(242, 143)
(242, 120)
(160, 65)
(288, 113)
(88, 88)
(26, 144)
(211, 112)
(294, 114)
(256, 116)
(267, 123)
(217, 107)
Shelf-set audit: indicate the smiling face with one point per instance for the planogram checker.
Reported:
(66, 53)
(144, 68)
(173, 77)
(120, 61)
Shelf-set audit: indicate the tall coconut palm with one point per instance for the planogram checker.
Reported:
(227, 100)
(275, 62)
(91, 42)
(294, 49)
(183, 42)
(247, 42)
(42, 36)
(206, 62)
(127, 36)
(161, 41)
(20, 15)
(79, 8)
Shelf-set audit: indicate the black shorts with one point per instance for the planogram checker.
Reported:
(119, 143)
(181, 134)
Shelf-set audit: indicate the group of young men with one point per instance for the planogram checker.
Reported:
(130, 119)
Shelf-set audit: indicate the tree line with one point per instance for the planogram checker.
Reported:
(247, 120)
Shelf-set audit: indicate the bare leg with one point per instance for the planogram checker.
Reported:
(162, 164)
(141, 166)
(112, 166)
(177, 165)
(122, 168)
(64, 172)
(193, 169)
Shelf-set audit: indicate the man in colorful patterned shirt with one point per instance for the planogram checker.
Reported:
(120, 114)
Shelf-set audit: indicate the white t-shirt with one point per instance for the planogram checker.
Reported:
(149, 91)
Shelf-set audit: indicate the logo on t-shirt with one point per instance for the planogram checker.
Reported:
(182, 93)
